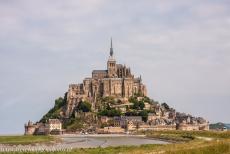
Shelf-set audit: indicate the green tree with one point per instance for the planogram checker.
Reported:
(133, 99)
(84, 106)
(136, 105)
(165, 106)
(144, 115)
(141, 105)
(131, 113)
(108, 107)
(110, 113)
(146, 99)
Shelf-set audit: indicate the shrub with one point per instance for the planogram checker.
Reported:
(110, 113)
(84, 106)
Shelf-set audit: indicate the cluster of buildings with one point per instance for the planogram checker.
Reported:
(219, 126)
(52, 126)
(189, 122)
(160, 119)
(124, 124)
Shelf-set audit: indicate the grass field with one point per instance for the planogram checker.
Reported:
(15, 140)
(189, 144)
(194, 147)
(186, 135)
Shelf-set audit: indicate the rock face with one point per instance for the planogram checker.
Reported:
(117, 80)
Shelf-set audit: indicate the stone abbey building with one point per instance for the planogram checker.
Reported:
(117, 80)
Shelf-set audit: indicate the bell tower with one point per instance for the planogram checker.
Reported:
(111, 63)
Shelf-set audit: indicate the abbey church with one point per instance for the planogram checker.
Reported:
(117, 80)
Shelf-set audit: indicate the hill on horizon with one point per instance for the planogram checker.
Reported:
(219, 125)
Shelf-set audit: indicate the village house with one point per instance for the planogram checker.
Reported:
(54, 126)
(128, 122)
(147, 106)
(113, 130)
(151, 117)
(157, 127)
(105, 119)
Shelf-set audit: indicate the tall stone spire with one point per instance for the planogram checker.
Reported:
(111, 48)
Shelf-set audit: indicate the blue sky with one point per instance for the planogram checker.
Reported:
(181, 49)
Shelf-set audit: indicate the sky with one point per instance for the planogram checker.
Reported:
(181, 48)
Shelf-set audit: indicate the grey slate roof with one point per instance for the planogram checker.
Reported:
(99, 71)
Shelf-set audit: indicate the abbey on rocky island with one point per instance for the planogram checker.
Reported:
(111, 101)
(117, 80)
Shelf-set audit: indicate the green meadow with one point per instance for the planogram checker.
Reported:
(183, 142)
(15, 140)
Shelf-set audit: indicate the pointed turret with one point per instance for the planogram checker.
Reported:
(111, 63)
(111, 48)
